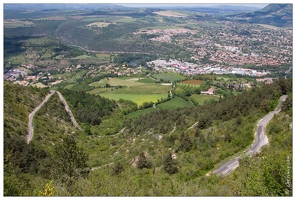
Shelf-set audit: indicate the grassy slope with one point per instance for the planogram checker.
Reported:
(172, 104)
(140, 112)
(202, 98)
(175, 103)
(18, 103)
(136, 89)
(169, 76)
(139, 99)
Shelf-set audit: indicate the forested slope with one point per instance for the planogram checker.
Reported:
(157, 154)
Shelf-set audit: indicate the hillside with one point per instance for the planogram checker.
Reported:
(109, 100)
(273, 14)
(159, 154)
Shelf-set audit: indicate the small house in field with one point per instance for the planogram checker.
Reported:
(209, 92)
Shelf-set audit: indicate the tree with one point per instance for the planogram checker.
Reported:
(187, 93)
(69, 162)
(169, 165)
(143, 162)
(87, 130)
(118, 168)
(185, 142)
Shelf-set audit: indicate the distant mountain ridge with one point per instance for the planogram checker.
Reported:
(273, 14)
(277, 8)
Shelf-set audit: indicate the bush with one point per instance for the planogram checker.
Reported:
(118, 168)
(170, 165)
(143, 162)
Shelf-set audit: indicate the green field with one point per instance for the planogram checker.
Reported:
(138, 90)
(103, 56)
(169, 77)
(172, 104)
(18, 23)
(74, 77)
(99, 24)
(222, 78)
(39, 40)
(141, 112)
(164, 26)
(96, 19)
(146, 80)
(175, 103)
(137, 98)
(124, 81)
(188, 85)
(82, 57)
(202, 98)
(125, 20)
(69, 86)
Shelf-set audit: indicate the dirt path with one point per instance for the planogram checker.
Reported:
(69, 111)
(31, 115)
(192, 126)
(173, 129)
(109, 164)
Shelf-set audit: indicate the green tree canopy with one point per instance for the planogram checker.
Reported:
(69, 162)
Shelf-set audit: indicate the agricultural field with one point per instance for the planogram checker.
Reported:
(81, 57)
(52, 18)
(103, 56)
(139, 90)
(117, 82)
(98, 24)
(144, 89)
(175, 103)
(18, 23)
(194, 83)
(169, 77)
(39, 85)
(170, 14)
(137, 98)
(125, 20)
(72, 78)
(161, 26)
(141, 112)
(172, 104)
(146, 80)
(202, 98)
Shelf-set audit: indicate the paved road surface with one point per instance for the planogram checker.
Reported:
(31, 115)
(261, 140)
(69, 111)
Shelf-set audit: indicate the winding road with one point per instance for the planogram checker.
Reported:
(31, 115)
(69, 111)
(261, 140)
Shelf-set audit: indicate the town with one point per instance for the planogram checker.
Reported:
(230, 43)
(220, 47)
(192, 69)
